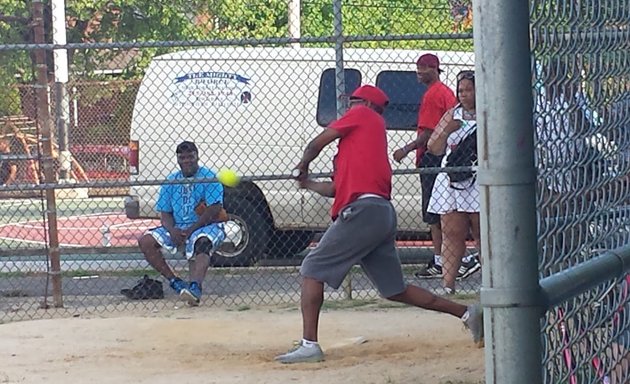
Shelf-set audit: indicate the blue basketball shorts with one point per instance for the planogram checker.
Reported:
(213, 232)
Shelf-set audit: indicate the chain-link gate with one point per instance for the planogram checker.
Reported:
(250, 85)
(582, 99)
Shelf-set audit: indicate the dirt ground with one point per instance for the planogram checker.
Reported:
(210, 345)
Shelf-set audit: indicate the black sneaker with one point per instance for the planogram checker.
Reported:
(467, 269)
(431, 271)
(145, 289)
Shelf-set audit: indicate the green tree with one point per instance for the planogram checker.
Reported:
(144, 20)
(14, 19)
(9, 99)
(385, 17)
(13, 29)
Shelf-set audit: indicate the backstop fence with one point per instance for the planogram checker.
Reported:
(581, 53)
(95, 101)
(92, 122)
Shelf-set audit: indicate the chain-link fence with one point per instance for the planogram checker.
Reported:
(250, 84)
(582, 103)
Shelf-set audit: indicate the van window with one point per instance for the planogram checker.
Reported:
(404, 93)
(327, 100)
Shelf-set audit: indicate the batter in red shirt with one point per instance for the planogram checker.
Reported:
(362, 163)
(364, 223)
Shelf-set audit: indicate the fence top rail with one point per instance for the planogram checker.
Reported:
(370, 55)
(235, 42)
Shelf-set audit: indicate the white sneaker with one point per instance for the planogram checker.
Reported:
(302, 354)
(473, 320)
(444, 291)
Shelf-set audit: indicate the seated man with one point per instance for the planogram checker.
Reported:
(191, 216)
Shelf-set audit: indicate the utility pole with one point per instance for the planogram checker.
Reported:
(294, 18)
(62, 103)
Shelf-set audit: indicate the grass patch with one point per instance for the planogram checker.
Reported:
(407, 269)
(83, 272)
(9, 275)
(125, 273)
(461, 382)
(332, 305)
(347, 304)
(122, 273)
(13, 293)
(387, 304)
(465, 296)
(371, 304)
(142, 271)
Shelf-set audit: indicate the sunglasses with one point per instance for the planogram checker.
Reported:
(468, 75)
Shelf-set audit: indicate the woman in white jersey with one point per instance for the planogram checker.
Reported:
(457, 203)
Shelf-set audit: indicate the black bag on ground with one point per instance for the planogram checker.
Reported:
(464, 155)
(146, 288)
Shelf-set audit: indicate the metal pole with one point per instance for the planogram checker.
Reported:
(568, 283)
(510, 292)
(62, 104)
(294, 16)
(75, 107)
(340, 79)
(44, 123)
(340, 90)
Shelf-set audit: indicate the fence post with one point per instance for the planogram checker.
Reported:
(45, 130)
(340, 87)
(510, 292)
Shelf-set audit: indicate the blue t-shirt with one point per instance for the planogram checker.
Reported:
(181, 199)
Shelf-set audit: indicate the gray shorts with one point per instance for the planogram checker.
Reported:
(364, 234)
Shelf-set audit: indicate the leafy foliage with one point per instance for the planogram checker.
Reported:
(9, 101)
(182, 20)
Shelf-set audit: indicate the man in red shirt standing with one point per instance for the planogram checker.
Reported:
(437, 99)
(364, 223)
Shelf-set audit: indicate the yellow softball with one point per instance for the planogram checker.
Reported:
(228, 177)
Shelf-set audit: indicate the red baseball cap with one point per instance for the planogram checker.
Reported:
(429, 60)
(372, 94)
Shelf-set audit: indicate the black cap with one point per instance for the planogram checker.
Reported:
(186, 146)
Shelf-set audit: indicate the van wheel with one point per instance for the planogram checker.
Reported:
(246, 235)
(288, 244)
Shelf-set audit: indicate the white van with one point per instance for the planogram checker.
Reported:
(254, 110)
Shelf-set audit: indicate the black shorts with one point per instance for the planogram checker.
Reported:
(426, 181)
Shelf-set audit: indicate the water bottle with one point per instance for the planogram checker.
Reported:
(106, 239)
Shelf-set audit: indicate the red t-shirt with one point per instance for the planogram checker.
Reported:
(435, 102)
(362, 162)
